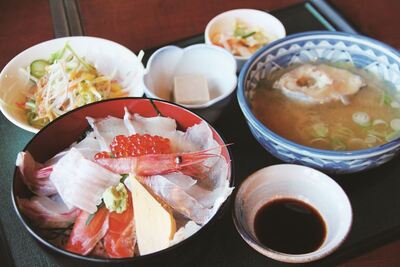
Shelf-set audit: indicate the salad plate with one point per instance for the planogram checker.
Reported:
(82, 55)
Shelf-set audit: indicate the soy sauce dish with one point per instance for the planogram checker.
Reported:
(292, 213)
(94, 228)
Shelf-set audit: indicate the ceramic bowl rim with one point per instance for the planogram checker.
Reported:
(221, 15)
(28, 226)
(266, 132)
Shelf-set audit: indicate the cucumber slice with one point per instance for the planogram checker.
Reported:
(38, 68)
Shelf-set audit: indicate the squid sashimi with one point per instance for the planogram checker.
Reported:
(119, 241)
(161, 126)
(177, 198)
(88, 231)
(47, 212)
(106, 129)
(35, 175)
(81, 182)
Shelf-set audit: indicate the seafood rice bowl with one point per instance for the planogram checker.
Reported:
(120, 179)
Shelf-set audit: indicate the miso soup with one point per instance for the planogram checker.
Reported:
(368, 118)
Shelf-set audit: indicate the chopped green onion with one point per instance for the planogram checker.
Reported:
(30, 104)
(371, 139)
(319, 139)
(361, 118)
(376, 133)
(248, 35)
(395, 124)
(320, 130)
(393, 135)
(395, 104)
(386, 99)
(337, 144)
(340, 131)
(378, 122)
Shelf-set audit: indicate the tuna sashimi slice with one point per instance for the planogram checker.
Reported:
(120, 238)
(88, 231)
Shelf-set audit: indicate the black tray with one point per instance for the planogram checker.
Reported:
(374, 194)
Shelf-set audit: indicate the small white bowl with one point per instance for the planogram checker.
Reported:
(225, 22)
(297, 182)
(110, 58)
(214, 63)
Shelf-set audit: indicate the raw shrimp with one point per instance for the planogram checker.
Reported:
(152, 164)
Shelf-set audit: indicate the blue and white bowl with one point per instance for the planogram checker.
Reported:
(363, 52)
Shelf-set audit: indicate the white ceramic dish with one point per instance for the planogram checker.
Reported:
(110, 58)
(225, 22)
(216, 64)
(302, 183)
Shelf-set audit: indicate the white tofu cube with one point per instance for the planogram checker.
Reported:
(191, 89)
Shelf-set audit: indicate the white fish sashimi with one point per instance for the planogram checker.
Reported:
(196, 200)
(196, 138)
(184, 232)
(88, 147)
(81, 182)
(216, 186)
(176, 197)
(217, 175)
(48, 212)
(162, 126)
(181, 180)
(128, 122)
(106, 129)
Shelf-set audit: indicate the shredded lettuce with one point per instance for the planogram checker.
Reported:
(68, 81)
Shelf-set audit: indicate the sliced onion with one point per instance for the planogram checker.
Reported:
(379, 122)
(395, 124)
(393, 135)
(322, 140)
(395, 104)
(361, 118)
(357, 143)
(338, 144)
(371, 139)
(320, 129)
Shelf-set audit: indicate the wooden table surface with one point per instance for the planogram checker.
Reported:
(142, 24)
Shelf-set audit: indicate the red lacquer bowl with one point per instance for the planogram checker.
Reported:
(70, 127)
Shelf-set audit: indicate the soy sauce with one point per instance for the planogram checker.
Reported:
(289, 226)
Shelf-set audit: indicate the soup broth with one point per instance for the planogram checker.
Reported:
(370, 118)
